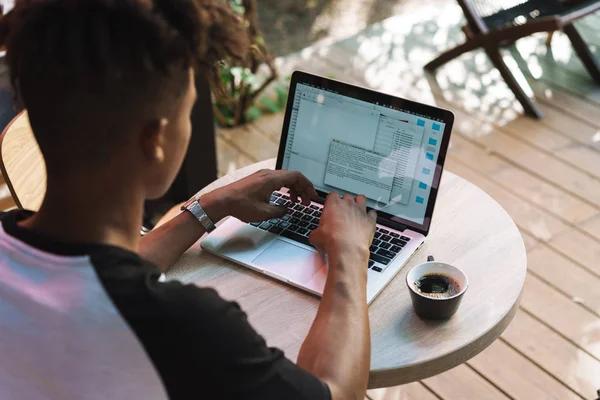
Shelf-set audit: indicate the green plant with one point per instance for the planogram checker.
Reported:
(245, 98)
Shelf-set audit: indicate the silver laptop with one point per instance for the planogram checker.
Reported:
(346, 139)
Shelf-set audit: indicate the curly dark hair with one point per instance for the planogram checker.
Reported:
(88, 66)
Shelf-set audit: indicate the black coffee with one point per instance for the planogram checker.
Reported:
(437, 285)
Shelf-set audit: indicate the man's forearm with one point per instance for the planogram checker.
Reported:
(337, 348)
(166, 243)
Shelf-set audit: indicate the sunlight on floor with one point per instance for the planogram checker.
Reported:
(389, 56)
(342, 18)
(561, 48)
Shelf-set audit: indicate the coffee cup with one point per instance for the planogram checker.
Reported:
(436, 289)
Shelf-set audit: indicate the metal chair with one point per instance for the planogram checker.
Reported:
(492, 24)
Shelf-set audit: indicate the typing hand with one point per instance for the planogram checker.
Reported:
(248, 198)
(345, 226)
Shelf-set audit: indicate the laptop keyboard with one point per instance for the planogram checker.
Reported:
(301, 220)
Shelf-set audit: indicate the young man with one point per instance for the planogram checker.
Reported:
(109, 86)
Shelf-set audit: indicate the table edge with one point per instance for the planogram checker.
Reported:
(408, 373)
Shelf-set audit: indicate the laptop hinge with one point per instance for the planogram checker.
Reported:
(393, 225)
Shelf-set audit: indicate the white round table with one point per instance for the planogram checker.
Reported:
(469, 230)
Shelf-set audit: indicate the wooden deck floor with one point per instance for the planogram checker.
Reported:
(546, 175)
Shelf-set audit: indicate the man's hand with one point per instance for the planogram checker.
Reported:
(248, 198)
(345, 225)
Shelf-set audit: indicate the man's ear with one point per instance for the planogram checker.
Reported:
(153, 139)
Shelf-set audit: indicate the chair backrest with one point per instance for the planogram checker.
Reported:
(22, 163)
(491, 14)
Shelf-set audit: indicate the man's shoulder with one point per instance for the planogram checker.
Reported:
(205, 321)
(6, 214)
(179, 311)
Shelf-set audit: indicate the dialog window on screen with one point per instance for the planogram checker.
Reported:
(350, 146)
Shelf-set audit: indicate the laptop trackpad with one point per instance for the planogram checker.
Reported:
(294, 263)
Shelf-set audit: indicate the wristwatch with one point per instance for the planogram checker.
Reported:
(193, 206)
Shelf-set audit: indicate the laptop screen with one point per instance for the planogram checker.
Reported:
(348, 145)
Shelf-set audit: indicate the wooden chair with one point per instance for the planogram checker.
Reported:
(492, 24)
(22, 163)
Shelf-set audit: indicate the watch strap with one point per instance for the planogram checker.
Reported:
(194, 207)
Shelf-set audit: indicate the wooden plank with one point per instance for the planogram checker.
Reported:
(581, 156)
(529, 218)
(567, 276)
(543, 137)
(541, 164)
(560, 358)
(518, 376)
(592, 227)
(250, 142)
(529, 241)
(532, 132)
(569, 241)
(579, 247)
(270, 125)
(583, 87)
(229, 158)
(485, 160)
(562, 314)
(567, 121)
(544, 195)
(522, 183)
(462, 383)
(412, 391)
(563, 100)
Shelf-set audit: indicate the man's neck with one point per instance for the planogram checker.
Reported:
(102, 216)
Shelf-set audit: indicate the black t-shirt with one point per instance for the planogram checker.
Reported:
(97, 321)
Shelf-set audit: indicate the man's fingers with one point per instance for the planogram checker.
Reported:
(315, 239)
(268, 212)
(296, 181)
(293, 196)
(304, 197)
(348, 197)
(361, 201)
(373, 215)
(308, 194)
(332, 198)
